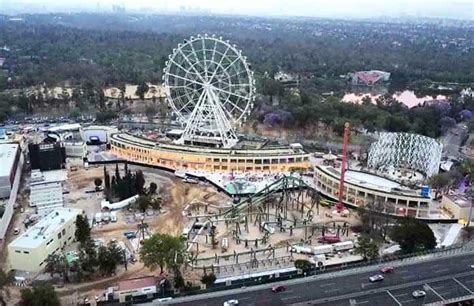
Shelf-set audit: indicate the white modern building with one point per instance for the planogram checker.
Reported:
(9, 158)
(51, 234)
(46, 196)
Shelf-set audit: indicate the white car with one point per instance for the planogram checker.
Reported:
(231, 302)
(418, 293)
(376, 278)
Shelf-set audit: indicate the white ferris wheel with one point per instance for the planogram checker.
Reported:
(211, 89)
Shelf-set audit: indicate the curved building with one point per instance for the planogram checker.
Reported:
(183, 157)
(364, 188)
(405, 150)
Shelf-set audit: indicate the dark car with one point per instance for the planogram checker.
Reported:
(278, 288)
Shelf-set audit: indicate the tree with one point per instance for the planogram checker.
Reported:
(439, 182)
(153, 187)
(109, 257)
(83, 230)
(57, 264)
(413, 235)
(303, 264)
(367, 248)
(139, 182)
(88, 256)
(75, 114)
(97, 183)
(162, 250)
(142, 89)
(208, 279)
(42, 295)
(143, 202)
(106, 179)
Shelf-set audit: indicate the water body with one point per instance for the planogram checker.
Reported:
(406, 97)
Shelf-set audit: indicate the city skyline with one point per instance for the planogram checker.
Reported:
(459, 9)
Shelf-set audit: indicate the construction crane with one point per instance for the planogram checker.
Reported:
(340, 204)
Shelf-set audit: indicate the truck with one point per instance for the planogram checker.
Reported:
(322, 249)
(343, 246)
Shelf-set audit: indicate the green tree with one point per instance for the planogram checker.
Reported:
(75, 114)
(439, 182)
(142, 89)
(42, 295)
(83, 230)
(208, 279)
(367, 248)
(303, 264)
(143, 202)
(413, 235)
(109, 257)
(153, 187)
(57, 264)
(162, 250)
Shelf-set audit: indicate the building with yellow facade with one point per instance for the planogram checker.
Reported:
(184, 157)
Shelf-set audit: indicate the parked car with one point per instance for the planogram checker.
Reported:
(130, 235)
(418, 294)
(279, 288)
(376, 278)
(387, 269)
(231, 302)
(16, 231)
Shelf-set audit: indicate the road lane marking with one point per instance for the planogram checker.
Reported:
(331, 290)
(429, 287)
(388, 291)
(327, 284)
(443, 270)
(401, 294)
(362, 302)
(290, 297)
(462, 285)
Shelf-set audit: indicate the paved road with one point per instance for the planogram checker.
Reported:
(452, 141)
(446, 278)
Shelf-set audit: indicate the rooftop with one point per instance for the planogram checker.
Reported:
(460, 200)
(7, 157)
(137, 283)
(145, 143)
(45, 228)
(370, 181)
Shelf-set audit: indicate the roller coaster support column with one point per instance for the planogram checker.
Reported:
(340, 205)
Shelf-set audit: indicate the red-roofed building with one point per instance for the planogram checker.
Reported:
(369, 78)
(136, 287)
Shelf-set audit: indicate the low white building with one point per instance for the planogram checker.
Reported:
(46, 196)
(51, 234)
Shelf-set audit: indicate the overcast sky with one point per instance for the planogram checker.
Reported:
(458, 9)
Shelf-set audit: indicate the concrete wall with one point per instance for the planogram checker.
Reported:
(7, 216)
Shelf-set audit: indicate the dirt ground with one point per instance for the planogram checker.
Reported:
(176, 195)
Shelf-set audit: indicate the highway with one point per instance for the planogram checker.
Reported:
(443, 278)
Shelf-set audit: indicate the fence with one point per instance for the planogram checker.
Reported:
(332, 271)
